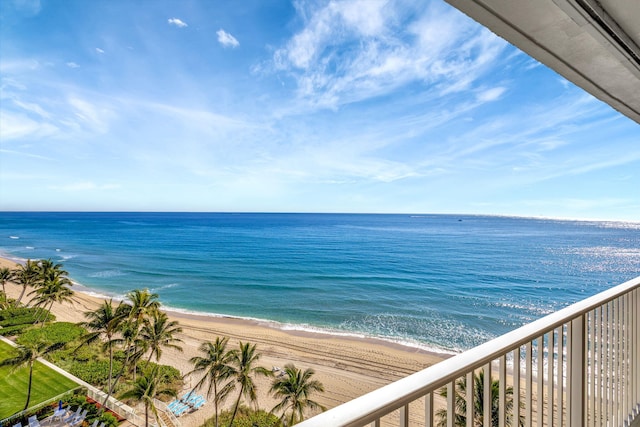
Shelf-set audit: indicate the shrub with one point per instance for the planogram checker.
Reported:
(12, 312)
(168, 373)
(93, 372)
(11, 331)
(59, 332)
(108, 419)
(247, 417)
(21, 315)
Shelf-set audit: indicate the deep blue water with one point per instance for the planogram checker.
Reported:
(438, 281)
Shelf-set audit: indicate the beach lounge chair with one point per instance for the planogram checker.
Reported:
(177, 407)
(95, 422)
(198, 402)
(73, 415)
(79, 419)
(59, 413)
(17, 425)
(33, 421)
(182, 408)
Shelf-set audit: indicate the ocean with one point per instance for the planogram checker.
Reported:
(439, 282)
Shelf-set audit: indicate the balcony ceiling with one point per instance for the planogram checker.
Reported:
(593, 43)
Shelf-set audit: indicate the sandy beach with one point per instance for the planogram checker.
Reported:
(347, 366)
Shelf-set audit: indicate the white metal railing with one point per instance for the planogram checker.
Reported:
(120, 408)
(161, 406)
(577, 367)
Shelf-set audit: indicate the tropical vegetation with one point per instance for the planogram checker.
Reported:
(115, 348)
(146, 389)
(215, 368)
(460, 403)
(295, 389)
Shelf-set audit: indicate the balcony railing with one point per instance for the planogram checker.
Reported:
(577, 367)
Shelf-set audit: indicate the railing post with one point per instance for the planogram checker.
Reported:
(577, 373)
(404, 416)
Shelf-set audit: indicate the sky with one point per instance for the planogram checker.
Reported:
(296, 106)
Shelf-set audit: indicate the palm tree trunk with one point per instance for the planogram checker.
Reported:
(116, 379)
(24, 288)
(45, 316)
(26, 405)
(110, 387)
(235, 409)
(215, 402)
(146, 415)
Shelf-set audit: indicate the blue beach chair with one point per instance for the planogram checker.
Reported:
(198, 402)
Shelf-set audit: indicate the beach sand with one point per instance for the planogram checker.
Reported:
(348, 367)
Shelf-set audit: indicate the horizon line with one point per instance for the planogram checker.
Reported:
(493, 215)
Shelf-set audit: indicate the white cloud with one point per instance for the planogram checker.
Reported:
(177, 22)
(490, 94)
(99, 50)
(72, 65)
(226, 39)
(16, 126)
(351, 51)
(90, 115)
(19, 65)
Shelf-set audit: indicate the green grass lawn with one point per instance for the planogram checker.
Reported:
(47, 384)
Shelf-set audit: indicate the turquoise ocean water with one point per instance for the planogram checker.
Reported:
(440, 282)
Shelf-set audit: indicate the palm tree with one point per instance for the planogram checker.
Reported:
(27, 355)
(6, 275)
(460, 402)
(145, 390)
(157, 332)
(47, 265)
(215, 365)
(244, 362)
(294, 388)
(130, 342)
(105, 322)
(26, 275)
(53, 287)
(143, 305)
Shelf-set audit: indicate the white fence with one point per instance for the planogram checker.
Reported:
(577, 367)
(96, 394)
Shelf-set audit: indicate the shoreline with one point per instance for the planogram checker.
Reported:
(291, 328)
(348, 366)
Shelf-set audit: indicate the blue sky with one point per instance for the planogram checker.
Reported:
(310, 106)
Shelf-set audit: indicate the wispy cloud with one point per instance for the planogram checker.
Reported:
(490, 95)
(99, 50)
(25, 154)
(16, 125)
(72, 65)
(226, 39)
(351, 51)
(89, 115)
(177, 22)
